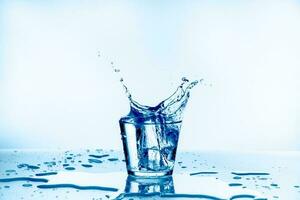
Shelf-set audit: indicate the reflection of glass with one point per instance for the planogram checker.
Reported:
(150, 148)
(142, 187)
(149, 185)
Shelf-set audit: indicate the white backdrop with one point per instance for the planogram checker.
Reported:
(56, 92)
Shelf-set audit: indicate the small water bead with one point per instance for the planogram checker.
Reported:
(86, 165)
(50, 164)
(27, 185)
(70, 168)
(10, 171)
(184, 79)
(203, 173)
(94, 161)
(274, 184)
(240, 196)
(250, 173)
(27, 166)
(262, 178)
(112, 159)
(46, 174)
(99, 156)
(235, 184)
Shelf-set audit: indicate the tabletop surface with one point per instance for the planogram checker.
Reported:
(101, 174)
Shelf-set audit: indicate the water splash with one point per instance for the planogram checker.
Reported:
(169, 110)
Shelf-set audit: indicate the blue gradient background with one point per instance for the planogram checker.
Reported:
(56, 93)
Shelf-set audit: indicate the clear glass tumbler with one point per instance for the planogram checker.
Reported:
(149, 148)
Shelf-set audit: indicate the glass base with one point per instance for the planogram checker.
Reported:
(150, 174)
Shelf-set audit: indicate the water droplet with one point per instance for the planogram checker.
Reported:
(203, 173)
(250, 173)
(98, 156)
(94, 161)
(112, 159)
(70, 168)
(24, 179)
(184, 79)
(235, 184)
(46, 174)
(274, 184)
(10, 170)
(77, 187)
(86, 165)
(27, 185)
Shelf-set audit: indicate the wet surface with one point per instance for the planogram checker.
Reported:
(101, 174)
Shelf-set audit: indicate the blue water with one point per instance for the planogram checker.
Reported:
(150, 134)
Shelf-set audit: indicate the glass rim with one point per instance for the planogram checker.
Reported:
(126, 121)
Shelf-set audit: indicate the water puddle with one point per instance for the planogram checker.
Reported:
(201, 179)
(53, 186)
(120, 186)
(203, 173)
(43, 180)
(46, 174)
(250, 173)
